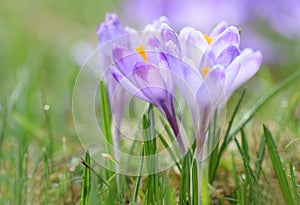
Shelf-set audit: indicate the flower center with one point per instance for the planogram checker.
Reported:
(205, 70)
(208, 38)
(141, 51)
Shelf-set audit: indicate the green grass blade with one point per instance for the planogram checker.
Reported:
(195, 182)
(106, 113)
(245, 145)
(205, 197)
(182, 189)
(260, 156)
(234, 171)
(100, 179)
(49, 127)
(167, 128)
(167, 194)
(138, 178)
(172, 155)
(295, 186)
(4, 118)
(278, 167)
(47, 175)
(227, 138)
(260, 102)
(149, 134)
(86, 181)
(213, 137)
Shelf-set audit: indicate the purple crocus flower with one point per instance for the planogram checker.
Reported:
(222, 68)
(282, 16)
(107, 31)
(146, 73)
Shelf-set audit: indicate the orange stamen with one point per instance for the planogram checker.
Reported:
(141, 51)
(208, 38)
(205, 70)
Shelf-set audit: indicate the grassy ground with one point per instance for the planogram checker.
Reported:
(41, 156)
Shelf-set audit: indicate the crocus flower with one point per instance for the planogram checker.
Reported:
(223, 68)
(282, 16)
(107, 31)
(145, 70)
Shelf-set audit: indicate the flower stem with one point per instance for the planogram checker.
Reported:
(202, 162)
(171, 117)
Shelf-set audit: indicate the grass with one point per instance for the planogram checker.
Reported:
(40, 154)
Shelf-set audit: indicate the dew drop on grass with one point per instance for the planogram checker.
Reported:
(284, 104)
(46, 107)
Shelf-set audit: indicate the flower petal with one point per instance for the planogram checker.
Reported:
(170, 40)
(110, 29)
(222, 26)
(124, 59)
(250, 63)
(227, 55)
(229, 37)
(211, 90)
(193, 44)
(126, 83)
(150, 82)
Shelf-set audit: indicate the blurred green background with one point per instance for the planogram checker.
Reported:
(37, 38)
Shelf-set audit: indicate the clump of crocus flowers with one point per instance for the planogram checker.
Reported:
(206, 68)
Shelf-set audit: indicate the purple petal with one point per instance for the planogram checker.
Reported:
(250, 63)
(150, 82)
(194, 36)
(212, 90)
(227, 55)
(231, 73)
(230, 37)
(109, 29)
(170, 40)
(193, 44)
(220, 28)
(125, 59)
(126, 83)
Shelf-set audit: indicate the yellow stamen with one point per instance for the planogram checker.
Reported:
(208, 38)
(205, 70)
(141, 51)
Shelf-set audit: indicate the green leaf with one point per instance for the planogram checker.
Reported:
(260, 156)
(86, 181)
(278, 167)
(234, 171)
(138, 178)
(295, 185)
(100, 179)
(182, 189)
(226, 140)
(260, 102)
(106, 114)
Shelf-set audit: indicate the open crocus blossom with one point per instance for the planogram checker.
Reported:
(145, 70)
(223, 68)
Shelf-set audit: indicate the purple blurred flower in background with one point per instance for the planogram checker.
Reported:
(198, 13)
(107, 31)
(281, 16)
